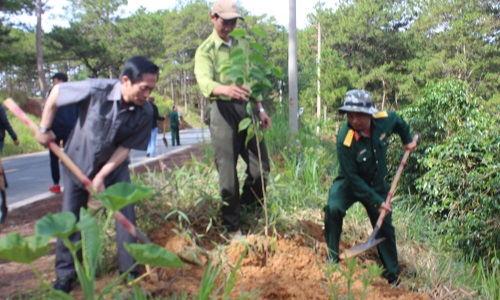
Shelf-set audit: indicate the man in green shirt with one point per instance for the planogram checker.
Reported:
(174, 126)
(229, 103)
(361, 150)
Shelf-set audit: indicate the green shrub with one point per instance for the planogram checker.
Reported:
(458, 166)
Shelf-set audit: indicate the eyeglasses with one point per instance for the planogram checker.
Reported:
(231, 22)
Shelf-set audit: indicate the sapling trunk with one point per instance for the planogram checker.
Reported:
(259, 155)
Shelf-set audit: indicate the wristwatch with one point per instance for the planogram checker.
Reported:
(43, 129)
(262, 110)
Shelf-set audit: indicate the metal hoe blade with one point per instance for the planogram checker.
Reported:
(358, 249)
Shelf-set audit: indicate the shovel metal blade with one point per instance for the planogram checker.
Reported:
(358, 249)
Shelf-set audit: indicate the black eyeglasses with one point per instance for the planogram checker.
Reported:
(227, 22)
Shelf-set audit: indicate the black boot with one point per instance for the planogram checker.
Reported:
(65, 284)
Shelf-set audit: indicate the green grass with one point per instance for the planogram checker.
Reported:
(27, 142)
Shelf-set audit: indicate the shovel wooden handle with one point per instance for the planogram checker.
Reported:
(394, 184)
(18, 112)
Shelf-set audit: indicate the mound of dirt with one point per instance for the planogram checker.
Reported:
(283, 267)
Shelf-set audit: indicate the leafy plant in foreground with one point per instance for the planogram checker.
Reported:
(63, 225)
(351, 276)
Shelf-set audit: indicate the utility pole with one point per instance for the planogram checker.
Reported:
(292, 68)
(318, 81)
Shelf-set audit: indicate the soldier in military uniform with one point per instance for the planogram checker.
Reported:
(361, 150)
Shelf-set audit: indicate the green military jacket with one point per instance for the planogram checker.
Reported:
(363, 161)
(174, 119)
(210, 58)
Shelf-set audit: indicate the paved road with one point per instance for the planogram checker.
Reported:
(29, 175)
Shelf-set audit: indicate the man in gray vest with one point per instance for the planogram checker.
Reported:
(112, 120)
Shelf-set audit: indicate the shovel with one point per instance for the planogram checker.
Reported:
(372, 241)
(164, 138)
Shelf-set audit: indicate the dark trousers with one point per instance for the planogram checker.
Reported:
(175, 135)
(75, 198)
(228, 145)
(340, 198)
(4, 177)
(54, 160)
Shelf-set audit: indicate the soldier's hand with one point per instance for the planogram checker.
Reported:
(386, 207)
(411, 146)
(16, 142)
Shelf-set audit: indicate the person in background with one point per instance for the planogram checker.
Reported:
(174, 126)
(112, 120)
(151, 152)
(63, 124)
(228, 107)
(361, 150)
(5, 126)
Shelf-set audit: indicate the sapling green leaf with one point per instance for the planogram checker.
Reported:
(226, 69)
(238, 33)
(260, 136)
(258, 48)
(239, 81)
(276, 72)
(267, 83)
(154, 255)
(258, 88)
(235, 75)
(237, 53)
(244, 124)
(257, 59)
(121, 194)
(24, 250)
(259, 32)
(256, 74)
(250, 134)
(60, 225)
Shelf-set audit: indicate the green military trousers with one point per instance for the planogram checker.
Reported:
(228, 145)
(340, 198)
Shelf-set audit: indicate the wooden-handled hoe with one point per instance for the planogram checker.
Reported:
(372, 240)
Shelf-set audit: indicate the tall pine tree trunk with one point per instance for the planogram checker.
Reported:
(39, 52)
